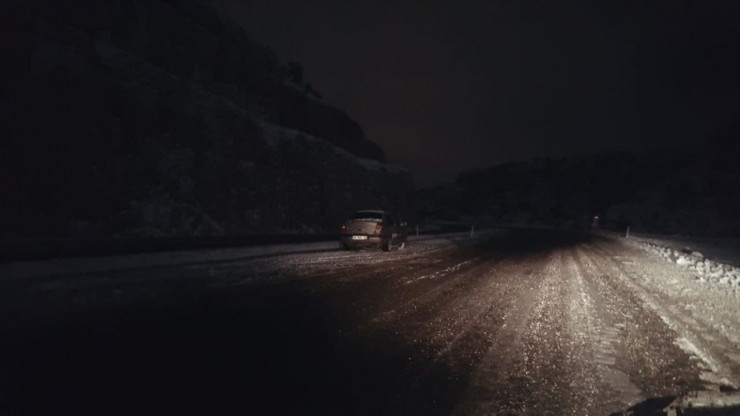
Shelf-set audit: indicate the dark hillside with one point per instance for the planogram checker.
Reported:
(148, 118)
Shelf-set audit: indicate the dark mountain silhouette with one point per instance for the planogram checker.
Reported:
(156, 118)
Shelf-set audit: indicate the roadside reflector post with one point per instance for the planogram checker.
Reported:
(627, 233)
(472, 230)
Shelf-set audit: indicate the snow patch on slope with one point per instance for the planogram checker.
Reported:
(274, 135)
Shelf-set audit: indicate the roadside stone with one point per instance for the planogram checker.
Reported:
(683, 261)
(702, 268)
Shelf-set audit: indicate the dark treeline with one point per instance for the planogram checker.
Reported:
(687, 192)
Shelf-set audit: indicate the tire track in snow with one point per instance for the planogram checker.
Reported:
(689, 333)
(610, 388)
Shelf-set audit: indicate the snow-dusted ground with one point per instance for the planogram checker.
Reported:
(527, 322)
(696, 297)
(287, 253)
(708, 260)
(720, 250)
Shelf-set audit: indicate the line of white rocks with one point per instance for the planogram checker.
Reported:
(704, 269)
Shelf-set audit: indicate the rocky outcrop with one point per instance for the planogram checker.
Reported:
(155, 118)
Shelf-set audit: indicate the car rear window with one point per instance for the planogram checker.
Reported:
(366, 215)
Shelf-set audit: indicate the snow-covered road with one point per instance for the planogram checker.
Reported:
(116, 263)
(511, 323)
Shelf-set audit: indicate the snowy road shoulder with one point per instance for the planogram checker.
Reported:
(705, 270)
(85, 265)
(704, 311)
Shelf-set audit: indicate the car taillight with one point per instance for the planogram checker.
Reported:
(378, 228)
(343, 228)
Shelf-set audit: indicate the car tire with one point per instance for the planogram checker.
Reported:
(345, 247)
(386, 245)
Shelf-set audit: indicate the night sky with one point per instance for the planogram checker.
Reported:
(445, 87)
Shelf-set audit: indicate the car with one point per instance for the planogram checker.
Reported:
(373, 228)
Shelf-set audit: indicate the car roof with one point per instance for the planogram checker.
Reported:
(378, 211)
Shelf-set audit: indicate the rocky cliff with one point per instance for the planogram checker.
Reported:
(155, 118)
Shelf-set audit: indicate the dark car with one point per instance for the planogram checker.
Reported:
(373, 228)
